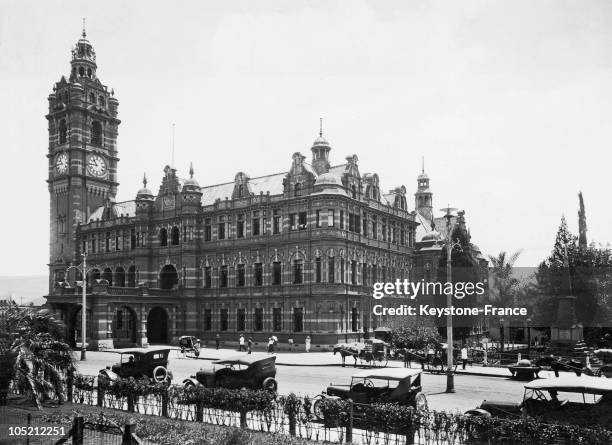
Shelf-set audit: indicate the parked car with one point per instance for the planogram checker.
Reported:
(579, 400)
(190, 344)
(151, 363)
(391, 385)
(243, 371)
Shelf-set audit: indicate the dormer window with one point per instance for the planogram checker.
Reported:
(101, 101)
(296, 189)
(92, 98)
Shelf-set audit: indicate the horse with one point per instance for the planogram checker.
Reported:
(345, 351)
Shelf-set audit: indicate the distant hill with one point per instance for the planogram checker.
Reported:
(25, 289)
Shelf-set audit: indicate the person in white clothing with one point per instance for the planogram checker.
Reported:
(307, 343)
(464, 356)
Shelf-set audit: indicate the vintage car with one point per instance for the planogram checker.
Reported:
(391, 385)
(579, 400)
(242, 371)
(189, 344)
(151, 363)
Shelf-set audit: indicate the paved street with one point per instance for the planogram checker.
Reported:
(311, 380)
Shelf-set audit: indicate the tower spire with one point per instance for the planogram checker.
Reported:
(144, 180)
(84, 33)
(423, 164)
(191, 170)
(320, 127)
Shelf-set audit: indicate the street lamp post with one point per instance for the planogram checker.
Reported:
(501, 337)
(83, 269)
(529, 337)
(450, 379)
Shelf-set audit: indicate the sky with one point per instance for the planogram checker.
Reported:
(509, 102)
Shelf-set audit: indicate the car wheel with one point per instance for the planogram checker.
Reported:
(270, 384)
(188, 384)
(420, 402)
(160, 374)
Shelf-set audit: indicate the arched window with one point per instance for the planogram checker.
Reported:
(81, 71)
(296, 189)
(96, 133)
(120, 277)
(63, 131)
(108, 276)
(240, 191)
(101, 101)
(88, 72)
(168, 277)
(354, 191)
(93, 275)
(163, 237)
(92, 98)
(131, 276)
(176, 236)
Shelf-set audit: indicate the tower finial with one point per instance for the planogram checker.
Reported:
(144, 180)
(422, 164)
(191, 170)
(321, 127)
(84, 33)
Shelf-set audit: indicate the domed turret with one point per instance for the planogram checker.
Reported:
(320, 152)
(144, 193)
(83, 59)
(191, 183)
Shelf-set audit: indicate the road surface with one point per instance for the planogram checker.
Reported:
(471, 390)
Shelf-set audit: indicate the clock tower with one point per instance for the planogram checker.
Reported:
(82, 154)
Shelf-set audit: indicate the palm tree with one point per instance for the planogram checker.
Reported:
(33, 349)
(503, 285)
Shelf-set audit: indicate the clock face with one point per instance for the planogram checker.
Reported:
(96, 165)
(61, 163)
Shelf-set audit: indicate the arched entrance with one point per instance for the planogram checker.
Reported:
(74, 326)
(157, 326)
(124, 326)
(168, 277)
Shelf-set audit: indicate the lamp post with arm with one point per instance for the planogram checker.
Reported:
(450, 379)
(83, 269)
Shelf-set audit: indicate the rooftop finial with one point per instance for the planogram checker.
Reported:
(191, 170)
(144, 180)
(84, 33)
(321, 127)
(422, 164)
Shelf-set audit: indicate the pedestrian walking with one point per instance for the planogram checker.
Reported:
(274, 342)
(249, 345)
(464, 356)
(290, 341)
(217, 340)
(307, 343)
(241, 346)
(270, 345)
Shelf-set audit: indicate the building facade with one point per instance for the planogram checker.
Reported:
(293, 253)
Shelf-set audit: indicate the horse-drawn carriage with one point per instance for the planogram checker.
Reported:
(371, 353)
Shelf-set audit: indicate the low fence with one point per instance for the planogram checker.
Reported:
(335, 421)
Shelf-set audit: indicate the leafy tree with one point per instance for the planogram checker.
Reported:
(580, 271)
(35, 353)
(413, 332)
